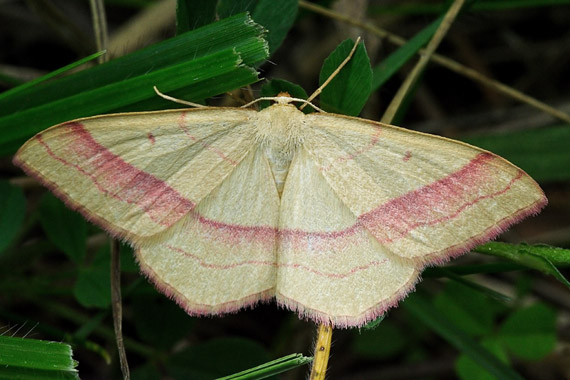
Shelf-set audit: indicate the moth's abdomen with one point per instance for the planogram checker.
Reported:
(279, 164)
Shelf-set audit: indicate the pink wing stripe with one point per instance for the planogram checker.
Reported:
(277, 265)
(435, 203)
(118, 179)
(440, 201)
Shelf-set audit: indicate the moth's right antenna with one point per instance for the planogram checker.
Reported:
(334, 74)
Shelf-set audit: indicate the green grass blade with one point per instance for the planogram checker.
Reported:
(418, 306)
(389, 66)
(557, 255)
(49, 76)
(277, 17)
(464, 270)
(205, 62)
(271, 368)
(238, 32)
(201, 77)
(493, 294)
(543, 153)
(35, 359)
(542, 258)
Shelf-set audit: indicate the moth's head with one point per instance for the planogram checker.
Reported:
(283, 98)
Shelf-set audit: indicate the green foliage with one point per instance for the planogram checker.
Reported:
(277, 17)
(202, 361)
(153, 311)
(271, 368)
(192, 14)
(13, 211)
(529, 333)
(542, 258)
(421, 309)
(468, 309)
(66, 229)
(469, 369)
(394, 62)
(93, 285)
(31, 359)
(198, 64)
(276, 86)
(349, 90)
(371, 344)
(208, 58)
(542, 153)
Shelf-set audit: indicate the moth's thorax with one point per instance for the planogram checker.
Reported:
(280, 133)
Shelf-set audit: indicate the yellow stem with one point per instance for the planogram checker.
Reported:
(413, 77)
(322, 352)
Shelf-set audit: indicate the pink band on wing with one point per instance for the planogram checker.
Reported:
(118, 179)
(347, 273)
(440, 201)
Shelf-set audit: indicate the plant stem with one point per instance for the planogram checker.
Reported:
(117, 307)
(322, 352)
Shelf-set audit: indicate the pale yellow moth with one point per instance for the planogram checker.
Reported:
(333, 216)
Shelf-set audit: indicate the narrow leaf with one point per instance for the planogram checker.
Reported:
(389, 66)
(31, 354)
(51, 75)
(543, 153)
(468, 369)
(227, 8)
(535, 257)
(204, 62)
(271, 368)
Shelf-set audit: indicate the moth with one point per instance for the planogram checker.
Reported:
(333, 216)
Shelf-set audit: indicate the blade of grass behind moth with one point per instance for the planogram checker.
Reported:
(322, 352)
(100, 27)
(412, 78)
(50, 75)
(118, 307)
(535, 257)
(271, 368)
(443, 61)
